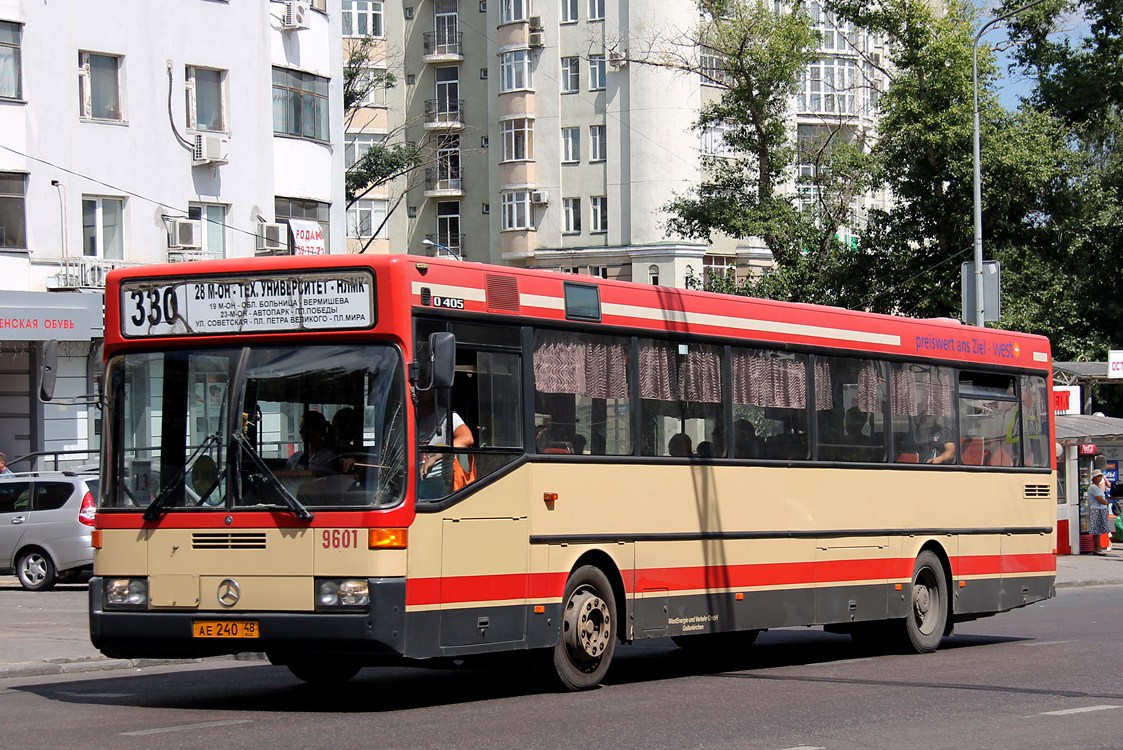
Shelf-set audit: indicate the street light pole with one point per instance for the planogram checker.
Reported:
(977, 181)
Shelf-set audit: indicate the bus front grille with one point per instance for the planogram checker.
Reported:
(228, 540)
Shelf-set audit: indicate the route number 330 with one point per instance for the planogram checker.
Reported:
(155, 306)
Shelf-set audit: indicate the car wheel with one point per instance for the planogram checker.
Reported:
(36, 571)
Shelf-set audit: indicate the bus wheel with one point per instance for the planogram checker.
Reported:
(928, 614)
(588, 639)
(321, 673)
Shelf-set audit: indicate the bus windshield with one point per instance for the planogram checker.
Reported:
(263, 427)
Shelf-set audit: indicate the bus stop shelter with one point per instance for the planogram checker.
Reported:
(1081, 439)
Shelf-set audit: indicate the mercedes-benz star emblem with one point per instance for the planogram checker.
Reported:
(229, 592)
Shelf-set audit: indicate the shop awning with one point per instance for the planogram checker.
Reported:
(1074, 428)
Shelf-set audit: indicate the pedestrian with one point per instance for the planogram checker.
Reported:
(4, 470)
(1097, 510)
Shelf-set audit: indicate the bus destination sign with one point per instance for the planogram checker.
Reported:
(322, 300)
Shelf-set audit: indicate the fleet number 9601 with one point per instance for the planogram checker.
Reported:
(340, 539)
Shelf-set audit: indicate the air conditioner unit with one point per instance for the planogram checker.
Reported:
(210, 148)
(295, 16)
(617, 59)
(536, 23)
(185, 233)
(272, 237)
(539, 196)
(537, 39)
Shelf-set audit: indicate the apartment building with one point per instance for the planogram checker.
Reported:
(137, 132)
(548, 145)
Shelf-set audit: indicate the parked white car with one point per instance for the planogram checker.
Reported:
(46, 519)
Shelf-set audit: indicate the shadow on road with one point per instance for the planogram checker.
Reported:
(268, 689)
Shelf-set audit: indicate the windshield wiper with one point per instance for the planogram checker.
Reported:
(271, 480)
(158, 506)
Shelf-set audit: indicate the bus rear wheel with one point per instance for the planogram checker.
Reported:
(320, 673)
(588, 638)
(928, 611)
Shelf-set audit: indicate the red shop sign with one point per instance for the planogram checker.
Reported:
(1088, 449)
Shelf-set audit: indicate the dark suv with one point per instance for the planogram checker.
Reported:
(45, 523)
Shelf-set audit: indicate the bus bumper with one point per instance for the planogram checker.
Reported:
(378, 632)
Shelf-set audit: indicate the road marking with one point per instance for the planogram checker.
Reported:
(95, 695)
(805, 747)
(1044, 643)
(840, 661)
(184, 727)
(1083, 710)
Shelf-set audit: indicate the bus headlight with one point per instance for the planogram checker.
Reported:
(347, 592)
(126, 592)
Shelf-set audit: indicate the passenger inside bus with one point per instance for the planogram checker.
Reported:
(318, 455)
(937, 444)
(746, 443)
(680, 445)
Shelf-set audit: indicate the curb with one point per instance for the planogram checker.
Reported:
(96, 664)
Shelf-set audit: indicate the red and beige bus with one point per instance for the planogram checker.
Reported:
(346, 461)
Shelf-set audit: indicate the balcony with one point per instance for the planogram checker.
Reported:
(185, 256)
(442, 182)
(85, 272)
(440, 241)
(444, 114)
(443, 46)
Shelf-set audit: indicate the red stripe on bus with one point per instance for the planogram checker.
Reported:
(981, 565)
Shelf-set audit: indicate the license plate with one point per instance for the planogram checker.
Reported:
(225, 629)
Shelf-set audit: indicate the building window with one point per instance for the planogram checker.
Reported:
(596, 73)
(515, 69)
(370, 87)
(718, 268)
(711, 69)
(598, 205)
(357, 146)
(296, 208)
(516, 210)
(571, 75)
(11, 74)
(512, 10)
(653, 275)
(596, 10)
(366, 219)
(518, 139)
(206, 103)
(571, 145)
(569, 11)
(571, 211)
(830, 86)
(103, 227)
(13, 215)
(597, 143)
(300, 104)
(713, 141)
(99, 86)
(362, 17)
(213, 216)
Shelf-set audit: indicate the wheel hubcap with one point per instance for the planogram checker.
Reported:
(588, 626)
(34, 570)
(924, 605)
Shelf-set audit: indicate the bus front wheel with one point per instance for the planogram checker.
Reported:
(928, 611)
(588, 637)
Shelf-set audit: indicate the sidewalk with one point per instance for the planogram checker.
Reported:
(47, 633)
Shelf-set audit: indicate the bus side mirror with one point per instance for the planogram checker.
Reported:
(442, 363)
(48, 371)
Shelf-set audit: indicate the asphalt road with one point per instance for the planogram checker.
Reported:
(1048, 676)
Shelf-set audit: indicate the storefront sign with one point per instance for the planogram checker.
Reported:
(45, 316)
(1088, 449)
(1115, 363)
(1066, 399)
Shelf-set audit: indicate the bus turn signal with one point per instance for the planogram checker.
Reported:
(388, 538)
